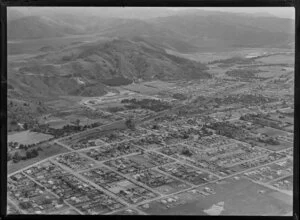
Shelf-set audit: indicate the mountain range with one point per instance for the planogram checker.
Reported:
(196, 29)
(133, 48)
(82, 69)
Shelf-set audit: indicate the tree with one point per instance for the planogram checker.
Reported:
(25, 126)
(13, 122)
(25, 205)
(185, 136)
(156, 127)
(26, 147)
(77, 122)
(32, 153)
(60, 201)
(186, 152)
(9, 157)
(28, 154)
(130, 123)
(16, 158)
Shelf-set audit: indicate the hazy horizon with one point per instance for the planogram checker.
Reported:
(282, 12)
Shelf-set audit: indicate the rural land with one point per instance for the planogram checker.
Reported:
(186, 113)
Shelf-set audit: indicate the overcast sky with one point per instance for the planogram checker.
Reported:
(284, 12)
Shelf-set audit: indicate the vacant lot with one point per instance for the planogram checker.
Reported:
(28, 137)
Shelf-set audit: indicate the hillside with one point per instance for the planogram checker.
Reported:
(34, 27)
(83, 69)
(230, 30)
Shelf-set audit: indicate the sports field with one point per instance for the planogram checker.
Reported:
(28, 137)
(271, 132)
(231, 197)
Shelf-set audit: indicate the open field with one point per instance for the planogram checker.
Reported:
(271, 132)
(282, 145)
(160, 85)
(28, 137)
(140, 88)
(68, 212)
(281, 118)
(60, 119)
(229, 197)
(222, 53)
(64, 103)
(127, 212)
(150, 88)
(273, 71)
(278, 59)
(290, 128)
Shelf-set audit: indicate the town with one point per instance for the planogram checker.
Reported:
(162, 164)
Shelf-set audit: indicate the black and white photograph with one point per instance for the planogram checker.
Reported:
(177, 111)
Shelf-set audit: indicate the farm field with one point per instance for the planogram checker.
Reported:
(140, 88)
(64, 103)
(160, 85)
(222, 53)
(279, 117)
(278, 59)
(151, 87)
(290, 128)
(272, 71)
(57, 123)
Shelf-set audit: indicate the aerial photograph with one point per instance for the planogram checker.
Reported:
(150, 111)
